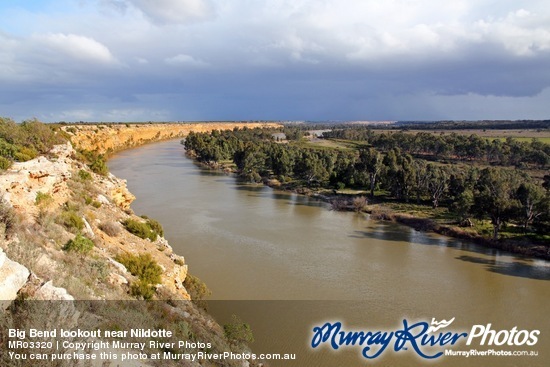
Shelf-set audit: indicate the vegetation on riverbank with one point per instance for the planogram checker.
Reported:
(497, 192)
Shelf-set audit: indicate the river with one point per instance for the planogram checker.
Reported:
(285, 263)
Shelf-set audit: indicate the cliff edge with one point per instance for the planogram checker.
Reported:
(110, 138)
(68, 233)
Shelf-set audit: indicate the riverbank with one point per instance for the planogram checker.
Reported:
(379, 211)
(250, 242)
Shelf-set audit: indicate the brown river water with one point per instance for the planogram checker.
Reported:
(285, 263)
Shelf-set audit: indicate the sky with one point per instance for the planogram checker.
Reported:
(185, 60)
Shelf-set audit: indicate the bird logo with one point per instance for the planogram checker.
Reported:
(439, 325)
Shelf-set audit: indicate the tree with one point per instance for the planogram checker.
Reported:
(312, 168)
(437, 183)
(370, 161)
(462, 205)
(495, 197)
(282, 160)
(534, 202)
(251, 162)
(421, 178)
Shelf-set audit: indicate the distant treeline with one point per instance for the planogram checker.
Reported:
(510, 152)
(498, 194)
(483, 124)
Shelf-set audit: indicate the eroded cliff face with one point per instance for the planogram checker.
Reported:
(56, 198)
(52, 197)
(110, 138)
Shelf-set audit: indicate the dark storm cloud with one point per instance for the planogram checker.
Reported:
(301, 59)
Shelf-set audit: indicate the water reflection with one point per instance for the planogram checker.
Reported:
(512, 268)
(250, 242)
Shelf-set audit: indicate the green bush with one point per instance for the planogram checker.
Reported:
(26, 140)
(25, 154)
(71, 220)
(4, 163)
(42, 198)
(141, 289)
(84, 175)
(95, 161)
(79, 244)
(154, 225)
(146, 269)
(39, 136)
(148, 230)
(142, 266)
(99, 166)
(196, 288)
(237, 331)
(7, 149)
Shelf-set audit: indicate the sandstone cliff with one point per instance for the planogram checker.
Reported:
(56, 198)
(106, 139)
(46, 192)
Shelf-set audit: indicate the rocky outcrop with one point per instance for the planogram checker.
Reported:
(56, 177)
(13, 276)
(24, 180)
(36, 263)
(110, 138)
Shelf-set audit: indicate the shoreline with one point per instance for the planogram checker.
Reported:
(384, 213)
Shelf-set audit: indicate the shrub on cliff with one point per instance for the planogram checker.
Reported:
(4, 163)
(95, 161)
(42, 198)
(238, 332)
(99, 166)
(197, 289)
(142, 266)
(71, 220)
(146, 269)
(79, 244)
(148, 230)
(84, 175)
(155, 225)
(141, 289)
(29, 137)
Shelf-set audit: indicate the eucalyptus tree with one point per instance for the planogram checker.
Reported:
(495, 197)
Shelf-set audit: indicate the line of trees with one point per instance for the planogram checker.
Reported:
(499, 194)
(510, 152)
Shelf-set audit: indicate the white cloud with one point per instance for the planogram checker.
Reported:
(185, 60)
(521, 32)
(175, 11)
(75, 46)
(450, 48)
